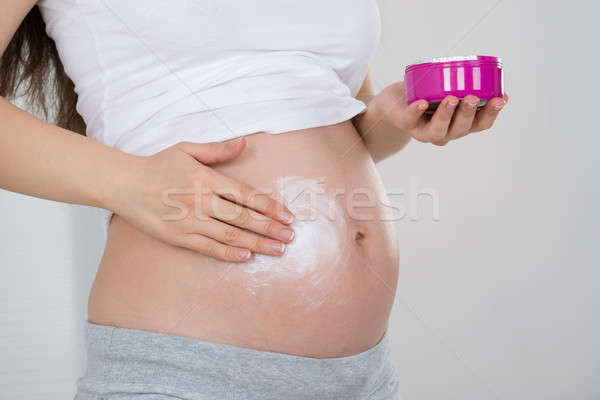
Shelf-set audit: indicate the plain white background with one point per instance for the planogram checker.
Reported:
(499, 299)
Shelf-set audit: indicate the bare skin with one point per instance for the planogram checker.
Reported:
(146, 284)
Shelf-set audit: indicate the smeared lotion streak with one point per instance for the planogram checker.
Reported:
(313, 258)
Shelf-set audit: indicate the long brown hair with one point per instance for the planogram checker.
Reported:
(31, 63)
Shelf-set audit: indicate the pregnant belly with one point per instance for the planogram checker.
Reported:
(329, 295)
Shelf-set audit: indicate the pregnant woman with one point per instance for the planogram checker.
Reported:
(250, 252)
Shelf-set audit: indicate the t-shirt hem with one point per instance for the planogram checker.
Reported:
(291, 123)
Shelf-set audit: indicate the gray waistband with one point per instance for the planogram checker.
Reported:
(127, 362)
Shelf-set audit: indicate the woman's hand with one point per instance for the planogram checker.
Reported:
(175, 196)
(389, 122)
(452, 120)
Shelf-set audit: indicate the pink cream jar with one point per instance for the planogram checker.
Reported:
(434, 79)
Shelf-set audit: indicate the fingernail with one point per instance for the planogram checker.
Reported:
(278, 247)
(422, 106)
(286, 217)
(244, 254)
(452, 103)
(286, 234)
(499, 106)
(472, 106)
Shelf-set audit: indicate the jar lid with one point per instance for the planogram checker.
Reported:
(437, 60)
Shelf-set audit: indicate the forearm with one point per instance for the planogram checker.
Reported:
(42, 160)
(379, 136)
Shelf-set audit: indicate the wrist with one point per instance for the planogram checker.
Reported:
(373, 119)
(381, 135)
(113, 180)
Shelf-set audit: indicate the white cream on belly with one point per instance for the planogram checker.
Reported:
(320, 246)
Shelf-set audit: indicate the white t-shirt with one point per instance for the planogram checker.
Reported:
(153, 73)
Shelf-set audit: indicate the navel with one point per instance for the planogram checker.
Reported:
(359, 238)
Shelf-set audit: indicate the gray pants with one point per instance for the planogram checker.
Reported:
(134, 364)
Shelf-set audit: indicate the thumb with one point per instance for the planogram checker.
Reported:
(214, 152)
